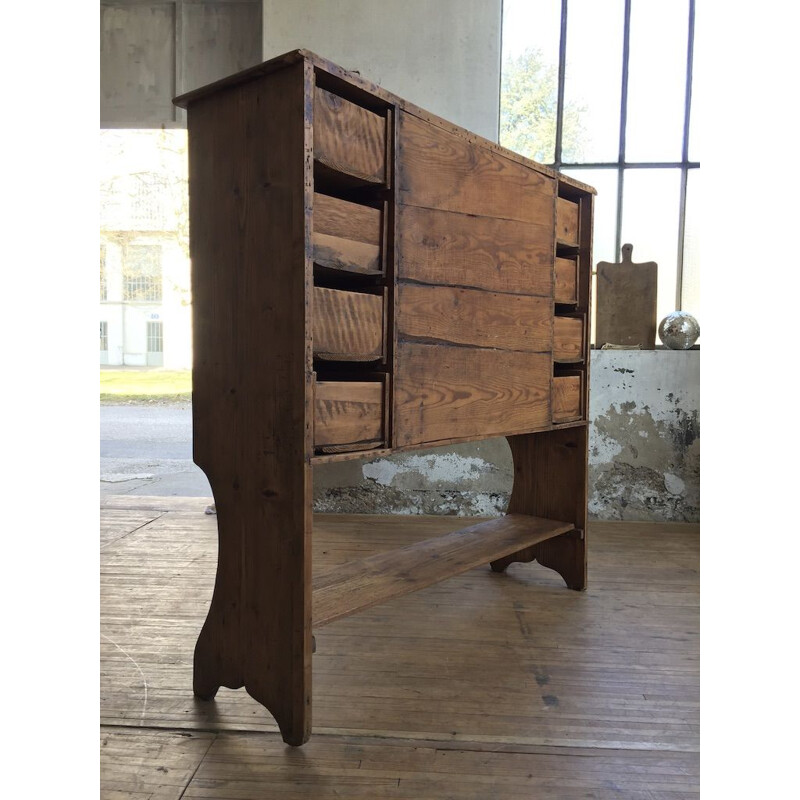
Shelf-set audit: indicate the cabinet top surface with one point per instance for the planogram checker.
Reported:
(357, 81)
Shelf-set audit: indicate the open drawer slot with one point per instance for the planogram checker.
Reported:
(349, 326)
(349, 139)
(567, 405)
(348, 237)
(567, 227)
(349, 415)
(568, 339)
(566, 282)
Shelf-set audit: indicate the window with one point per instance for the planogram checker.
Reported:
(104, 336)
(142, 273)
(155, 337)
(103, 286)
(602, 92)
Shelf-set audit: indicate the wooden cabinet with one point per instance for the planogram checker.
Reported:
(369, 278)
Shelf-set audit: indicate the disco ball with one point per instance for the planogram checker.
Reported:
(679, 330)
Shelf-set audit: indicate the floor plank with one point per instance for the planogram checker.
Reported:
(486, 685)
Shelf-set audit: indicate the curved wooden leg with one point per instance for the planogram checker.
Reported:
(258, 630)
(218, 654)
(550, 481)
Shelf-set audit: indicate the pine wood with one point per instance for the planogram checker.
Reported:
(566, 281)
(349, 138)
(568, 339)
(567, 398)
(500, 255)
(365, 583)
(457, 315)
(345, 220)
(550, 481)
(485, 685)
(348, 413)
(441, 170)
(479, 392)
(257, 468)
(368, 279)
(567, 216)
(348, 326)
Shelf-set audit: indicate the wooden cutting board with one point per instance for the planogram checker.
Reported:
(626, 302)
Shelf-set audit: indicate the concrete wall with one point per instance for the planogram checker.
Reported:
(443, 56)
(644, 454)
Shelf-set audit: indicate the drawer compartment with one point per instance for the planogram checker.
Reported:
(567, 394)
(567, 339)
(566, 283)
(347, 236)
(348, 415)
(348, 326)
(566, 222)
(348, 138)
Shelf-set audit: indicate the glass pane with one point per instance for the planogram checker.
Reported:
(605, 218)
(593, 81)
(690, 293)
(529, 84)
(657, 80)
(650, 213)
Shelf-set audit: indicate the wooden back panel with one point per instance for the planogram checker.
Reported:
(474, 301)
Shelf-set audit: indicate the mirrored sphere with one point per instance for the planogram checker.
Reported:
(679, 330)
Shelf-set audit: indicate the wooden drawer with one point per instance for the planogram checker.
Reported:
(567, 398)
(347, 236)
(567, 339)
(348, 138)
(349, 415)
(566, 283)
(566, 222)
(348, 326)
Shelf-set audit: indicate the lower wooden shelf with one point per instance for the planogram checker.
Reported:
(360, 584)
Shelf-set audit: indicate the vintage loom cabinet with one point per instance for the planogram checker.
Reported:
(368, 278)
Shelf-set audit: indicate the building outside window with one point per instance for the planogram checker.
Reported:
(103, 282)
(103, 336)
(142, 279)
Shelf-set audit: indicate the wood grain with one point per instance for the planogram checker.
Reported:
(447, 392)
(347, 255)
(568, 339)
(474, 317)
(567, 227)
(626, 302)
(376, 579)
(567, 398)
(466, 687)
(348, 413)
(248, 209)
(500, 255)
(550, 481)
(349, 138)
(348, 326)
(336, 217)
(566, 280)
(438, 169)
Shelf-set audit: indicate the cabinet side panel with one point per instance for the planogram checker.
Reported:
(250, 194)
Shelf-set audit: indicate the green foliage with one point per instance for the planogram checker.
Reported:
(528, 102)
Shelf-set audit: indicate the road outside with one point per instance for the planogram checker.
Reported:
(146, 449)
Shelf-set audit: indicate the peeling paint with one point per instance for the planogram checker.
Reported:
(644, 454)
(444, 469)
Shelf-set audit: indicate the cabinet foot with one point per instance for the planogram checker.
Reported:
(550, 481)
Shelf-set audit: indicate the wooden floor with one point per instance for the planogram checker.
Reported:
(485, 686)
